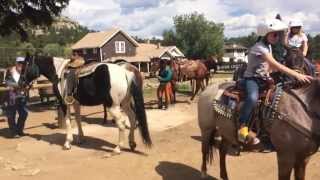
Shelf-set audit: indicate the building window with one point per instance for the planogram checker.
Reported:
(120, 47)
(95, 51)
(84, 51)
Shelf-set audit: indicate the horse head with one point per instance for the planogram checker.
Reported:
(30, 70)
(295, 60)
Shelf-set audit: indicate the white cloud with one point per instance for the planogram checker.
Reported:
(147, 18)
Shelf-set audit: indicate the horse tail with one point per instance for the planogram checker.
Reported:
(208, 146)
(136, 91)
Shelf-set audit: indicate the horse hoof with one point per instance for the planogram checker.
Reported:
(116, 151)
(67, 147)
(204, 175)
(132, 145)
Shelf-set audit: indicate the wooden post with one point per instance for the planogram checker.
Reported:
(139, 66)
(148, 67)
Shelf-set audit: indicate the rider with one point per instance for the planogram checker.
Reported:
(296, 38)
(76, 62)
(260, 62)
(165, 76)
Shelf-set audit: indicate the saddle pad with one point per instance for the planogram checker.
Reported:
(60, 65)
(89, 69)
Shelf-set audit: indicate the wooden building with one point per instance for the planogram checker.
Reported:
(115, 45)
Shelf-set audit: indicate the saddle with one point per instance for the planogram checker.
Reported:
(236, 93)
(75, 74)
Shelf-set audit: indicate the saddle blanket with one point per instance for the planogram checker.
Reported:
(90, 68)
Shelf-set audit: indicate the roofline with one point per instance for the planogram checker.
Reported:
(170, 48)
(125, 34)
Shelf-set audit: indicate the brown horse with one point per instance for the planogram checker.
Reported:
(185, 70)
(194, 70)
(294, 133)
(211, 64)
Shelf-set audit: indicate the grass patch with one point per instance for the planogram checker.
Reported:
(185, 87)
(149, 92)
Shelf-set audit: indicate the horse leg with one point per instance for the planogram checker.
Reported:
(131, 115)
(77, 111)
(300, 168)
(116, 113)
(198, 84)
(223, 154)
(286, 162)
(69, 136)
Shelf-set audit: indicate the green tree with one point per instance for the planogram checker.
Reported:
(315, 47)
(53, 50)
(195, 36)
(17, 15)
(246, 41)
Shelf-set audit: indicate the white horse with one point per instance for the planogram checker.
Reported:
(108, 84)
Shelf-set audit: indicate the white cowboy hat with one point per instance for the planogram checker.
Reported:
(20, 59)
(270, 25)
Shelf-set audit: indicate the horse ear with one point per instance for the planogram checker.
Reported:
(28, 57)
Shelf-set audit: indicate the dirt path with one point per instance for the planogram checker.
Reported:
(175, 155)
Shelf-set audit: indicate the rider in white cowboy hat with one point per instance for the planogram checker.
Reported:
(256, 76)
(296, 38)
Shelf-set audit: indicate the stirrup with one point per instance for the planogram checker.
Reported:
(69, 100)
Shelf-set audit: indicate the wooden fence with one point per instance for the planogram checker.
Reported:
(229, 66)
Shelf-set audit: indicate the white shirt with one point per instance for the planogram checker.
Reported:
(297, 40)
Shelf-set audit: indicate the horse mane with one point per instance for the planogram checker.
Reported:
(309, 97)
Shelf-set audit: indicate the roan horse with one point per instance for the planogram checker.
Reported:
(295, 132)
(109, 84)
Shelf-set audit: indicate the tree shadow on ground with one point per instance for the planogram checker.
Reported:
(178, 171)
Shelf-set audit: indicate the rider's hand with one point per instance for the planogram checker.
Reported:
(304, 78)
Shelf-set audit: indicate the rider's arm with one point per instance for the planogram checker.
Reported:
(305, 48)
(275, 65)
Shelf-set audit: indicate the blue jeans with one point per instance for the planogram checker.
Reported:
(16, 127)
(252, 94)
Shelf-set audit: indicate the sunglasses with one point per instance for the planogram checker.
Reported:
(274, 35)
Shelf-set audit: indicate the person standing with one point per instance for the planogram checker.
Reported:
(165, 77)
(16, 99)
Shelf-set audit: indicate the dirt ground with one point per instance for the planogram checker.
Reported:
(175, 155)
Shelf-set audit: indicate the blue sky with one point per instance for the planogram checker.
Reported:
(148, 18)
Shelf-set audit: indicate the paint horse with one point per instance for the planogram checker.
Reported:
(102, 83)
